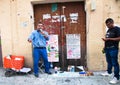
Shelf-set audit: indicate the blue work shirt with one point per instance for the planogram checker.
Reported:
(38, 40)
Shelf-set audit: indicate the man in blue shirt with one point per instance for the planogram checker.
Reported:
(38, 39)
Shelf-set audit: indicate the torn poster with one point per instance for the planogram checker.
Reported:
(73, 17)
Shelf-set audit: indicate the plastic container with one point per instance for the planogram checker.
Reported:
(83, 73)
(14, 62)
(7, 62)
(56, 69)
(72, 69)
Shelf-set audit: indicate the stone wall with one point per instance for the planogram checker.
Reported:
(17, 22)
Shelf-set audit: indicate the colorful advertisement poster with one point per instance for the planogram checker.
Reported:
(73, 46)
(52, 49)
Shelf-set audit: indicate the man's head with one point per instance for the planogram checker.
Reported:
(109, 23)
(40, 26)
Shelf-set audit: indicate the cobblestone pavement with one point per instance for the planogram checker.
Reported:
(66, 78)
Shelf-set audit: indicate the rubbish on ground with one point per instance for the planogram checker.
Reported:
(68, 69)
(61, 71)
(71, 68)
(56, 69)
(80, 68)
(88, 73)
(83, 73)
(25, 70)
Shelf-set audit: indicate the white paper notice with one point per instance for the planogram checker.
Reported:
(73, 46)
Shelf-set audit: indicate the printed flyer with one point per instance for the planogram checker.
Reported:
(73, 46)
(52, 49)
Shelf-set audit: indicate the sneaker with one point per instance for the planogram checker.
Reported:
(106, 74)
(48, 72)
(114, 80)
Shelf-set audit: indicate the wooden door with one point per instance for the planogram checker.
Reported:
(66, 18)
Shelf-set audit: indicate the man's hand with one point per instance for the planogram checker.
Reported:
(43, 33)
(105, 39)
(29, 40)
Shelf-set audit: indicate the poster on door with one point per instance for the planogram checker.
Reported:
(53, 49)
(73, 46)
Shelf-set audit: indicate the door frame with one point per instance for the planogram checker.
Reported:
(1, 61)
(54, 1)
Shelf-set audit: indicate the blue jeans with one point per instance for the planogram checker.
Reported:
(37, 54)
(112, 61)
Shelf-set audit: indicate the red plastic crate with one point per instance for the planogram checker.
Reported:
(14, 62)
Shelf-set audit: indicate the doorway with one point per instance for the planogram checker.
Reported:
(68, 21)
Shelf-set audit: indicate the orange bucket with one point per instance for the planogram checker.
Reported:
(14, 62)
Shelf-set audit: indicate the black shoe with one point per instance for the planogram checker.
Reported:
(48, 72)
(36, 75)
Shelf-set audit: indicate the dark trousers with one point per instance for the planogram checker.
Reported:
(37, 54)
(112, 61)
